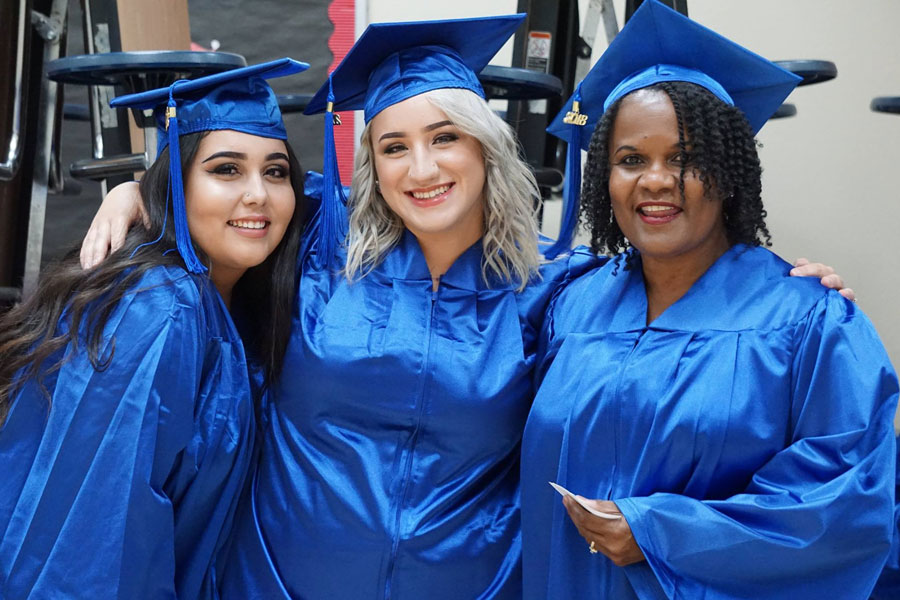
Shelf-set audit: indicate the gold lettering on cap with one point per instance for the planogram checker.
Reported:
(573, 117)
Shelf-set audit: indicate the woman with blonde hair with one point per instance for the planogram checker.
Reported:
(392, 451)
(510, 228)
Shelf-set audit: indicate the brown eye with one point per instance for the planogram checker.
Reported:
(277, 171)
(682, 159)
(225, 169)
(446, 138)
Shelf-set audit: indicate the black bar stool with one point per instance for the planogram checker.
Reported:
(293, 103)
(812, 71)
(134, 72)
(511, 83)
(886, 104)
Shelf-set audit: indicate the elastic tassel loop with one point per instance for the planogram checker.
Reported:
(162, 232)
(571, 188)
(176, 186)
(331, 212)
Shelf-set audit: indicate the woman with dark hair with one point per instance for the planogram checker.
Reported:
(126, 403)
(722, 154)
(725, 429)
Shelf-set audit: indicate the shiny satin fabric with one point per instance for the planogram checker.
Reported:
(390, 455)
(127, 487)
(888, 586)
(746, 436)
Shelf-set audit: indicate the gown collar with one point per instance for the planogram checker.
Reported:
(407, 262)
(732, 280)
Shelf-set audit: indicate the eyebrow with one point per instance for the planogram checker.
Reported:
(634, 149)
(242, 156)
(625, 147)
(432, 127)
(438, 125)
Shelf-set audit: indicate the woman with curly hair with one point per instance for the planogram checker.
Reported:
(725, 429)
(126, 400)
(723, 157)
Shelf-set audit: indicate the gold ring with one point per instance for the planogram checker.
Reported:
(593, 548)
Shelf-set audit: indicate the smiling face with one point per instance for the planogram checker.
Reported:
(645, 167)
(239, 201)
(429, 172)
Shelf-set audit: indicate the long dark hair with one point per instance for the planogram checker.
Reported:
(723, 151)
(31, 333)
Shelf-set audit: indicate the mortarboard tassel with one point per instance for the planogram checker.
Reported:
(572, 185)
(176, 186)
(331, 211)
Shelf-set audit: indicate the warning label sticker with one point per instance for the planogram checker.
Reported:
(537, 57)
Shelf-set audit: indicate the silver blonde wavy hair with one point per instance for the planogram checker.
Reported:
(510, 249)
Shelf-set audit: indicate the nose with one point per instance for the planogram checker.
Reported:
(255, 192)
(659, 177)
(423, 167)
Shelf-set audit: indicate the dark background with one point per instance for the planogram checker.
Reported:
(260, 30)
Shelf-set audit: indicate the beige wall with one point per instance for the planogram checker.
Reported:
(832, 173)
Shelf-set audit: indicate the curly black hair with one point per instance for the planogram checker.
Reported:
(723, 152)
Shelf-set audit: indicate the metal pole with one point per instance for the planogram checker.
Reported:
(609, 20)
(10, 165)
(50, 29)
(596, 10)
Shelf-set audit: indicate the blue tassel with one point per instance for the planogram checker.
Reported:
(572, 184)
(331, 218)
(176, 187)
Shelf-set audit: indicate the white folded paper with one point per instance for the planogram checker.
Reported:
(564, 492)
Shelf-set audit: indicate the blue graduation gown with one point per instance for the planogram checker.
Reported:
(745, 435)
(126, 487)
(390, 456)
(888, 586)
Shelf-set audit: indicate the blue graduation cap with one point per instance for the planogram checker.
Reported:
(392, 62)
(659, 44)
(239, 100)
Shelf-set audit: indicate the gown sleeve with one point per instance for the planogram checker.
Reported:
(94, 484)
(816, 518)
